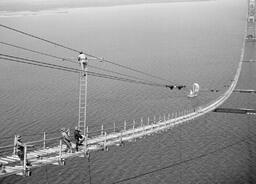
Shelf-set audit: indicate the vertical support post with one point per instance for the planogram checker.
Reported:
(2, 168)
(60, 151)
(25, 160)
(141, 122)
(87, 131)
(121, 138)
(102, 129)
(166, 120)
(133, 126)
(61, 162)
(124, 125)
(148, 120)
(105, 140)
(114, 127)
(44, 137)
(14, 144)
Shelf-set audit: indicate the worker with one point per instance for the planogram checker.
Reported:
(83, 60)
(66, 140)
(20, 149)
(78, 137)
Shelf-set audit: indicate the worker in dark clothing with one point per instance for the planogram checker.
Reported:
(20, 149)
(78, 137)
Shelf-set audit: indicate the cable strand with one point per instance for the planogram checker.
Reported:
(89, 55)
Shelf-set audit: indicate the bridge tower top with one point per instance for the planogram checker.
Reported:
(251, 26)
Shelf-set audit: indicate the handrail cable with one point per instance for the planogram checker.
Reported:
(90, 55)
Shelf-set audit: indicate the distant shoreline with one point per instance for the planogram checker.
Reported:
(16, 6)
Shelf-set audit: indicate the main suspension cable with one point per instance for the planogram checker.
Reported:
(37, 52)
(90, 55)
(74, 70)
(69, 60)
(39, 38)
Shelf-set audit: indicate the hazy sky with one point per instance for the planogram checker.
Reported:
(35, 5)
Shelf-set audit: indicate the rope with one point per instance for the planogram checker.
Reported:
(179, 163)
(46, 174)
(89, 170)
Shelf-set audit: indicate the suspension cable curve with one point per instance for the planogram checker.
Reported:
(74, 70)
(90, 55)
(67, 59)
(37, 52)
(39, 38)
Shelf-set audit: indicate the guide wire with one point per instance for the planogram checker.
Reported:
(180, 163)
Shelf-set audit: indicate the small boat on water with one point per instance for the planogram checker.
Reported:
(194, 91)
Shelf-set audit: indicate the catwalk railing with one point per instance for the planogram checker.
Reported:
(50, 150)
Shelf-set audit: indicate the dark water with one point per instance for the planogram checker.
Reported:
(183, 42)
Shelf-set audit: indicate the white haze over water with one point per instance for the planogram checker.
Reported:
(16, 8)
